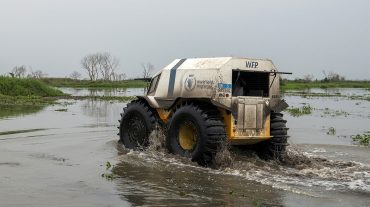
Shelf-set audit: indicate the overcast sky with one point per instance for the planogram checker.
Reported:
(304, 37)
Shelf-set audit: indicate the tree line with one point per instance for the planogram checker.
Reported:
(21, 72)
(97, 66)
(103, 66)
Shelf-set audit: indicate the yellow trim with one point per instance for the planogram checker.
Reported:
(267, 126)
(240, 139)
(229, 122)
(187, 137)
(164, 114)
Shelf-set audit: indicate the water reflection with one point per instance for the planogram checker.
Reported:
(8, 111)
(104, 92)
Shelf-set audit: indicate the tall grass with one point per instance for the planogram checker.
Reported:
(26, 87)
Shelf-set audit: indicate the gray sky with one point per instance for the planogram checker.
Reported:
(304, 37)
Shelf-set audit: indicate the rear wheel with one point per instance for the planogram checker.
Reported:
(196, 132)
(136, 124)
(275, 147)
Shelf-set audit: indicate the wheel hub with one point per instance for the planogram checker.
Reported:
(188, 136)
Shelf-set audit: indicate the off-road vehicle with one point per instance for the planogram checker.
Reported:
(203, 103)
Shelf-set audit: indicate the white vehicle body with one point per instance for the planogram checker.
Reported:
(244, 89)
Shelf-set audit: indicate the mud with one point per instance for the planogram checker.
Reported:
(62, 164)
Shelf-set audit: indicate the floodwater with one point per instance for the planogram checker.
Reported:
(103, 92)
(55, 156)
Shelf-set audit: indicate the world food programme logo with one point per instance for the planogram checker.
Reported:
(190, 83)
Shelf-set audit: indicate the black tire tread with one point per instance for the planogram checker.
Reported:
(275, 147)
(148, 110)
(215, 133)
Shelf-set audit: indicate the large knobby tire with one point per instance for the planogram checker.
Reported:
(196, 132)
(275, 147)
(136, 124)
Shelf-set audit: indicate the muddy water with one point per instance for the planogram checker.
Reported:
(56, 157)
(103, 92)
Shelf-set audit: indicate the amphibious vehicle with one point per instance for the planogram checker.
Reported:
(205, 103)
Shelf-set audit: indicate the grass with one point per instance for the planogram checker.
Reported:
(26, 91)
(363, 139)
(26, 87)
(68, 82)
(299, 111)
(299, 85)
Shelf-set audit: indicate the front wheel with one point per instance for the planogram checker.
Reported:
(196, 132)
(136, 124)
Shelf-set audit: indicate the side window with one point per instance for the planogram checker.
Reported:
(153, 84)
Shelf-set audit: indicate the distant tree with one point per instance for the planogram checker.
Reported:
(19, 71)
(122, 76)
(38, 74)
(103, 63)
(335, 77)
(308, 78)
(332, 77)
(147, 69)
(90, 63)
(75, 75)
(108, 65)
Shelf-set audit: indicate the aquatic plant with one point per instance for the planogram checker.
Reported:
(109, 175)
(300, 111)
(331, 131)
(363, 139)
(334, 113)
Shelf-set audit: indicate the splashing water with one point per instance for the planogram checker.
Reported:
(297, 170)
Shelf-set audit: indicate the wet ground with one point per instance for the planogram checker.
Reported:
(55, 156)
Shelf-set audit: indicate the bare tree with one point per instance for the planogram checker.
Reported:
(90, 63)
(122, 76)
(37, 74)
(147, 69)
(103, 63)
(19, 71)
(307, 78)
(75, 75)
(333, 76)
(108, 65)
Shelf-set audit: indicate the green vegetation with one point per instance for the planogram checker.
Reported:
(61, 110)
(26, 91)
(68, 82)
(109, 175)
(26, 87)
(331, 131)
(363, 139)
(333, 113)
(299, 111)
(299, 84)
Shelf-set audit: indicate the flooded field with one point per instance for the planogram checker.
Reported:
(57, 155)
(103, 92)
